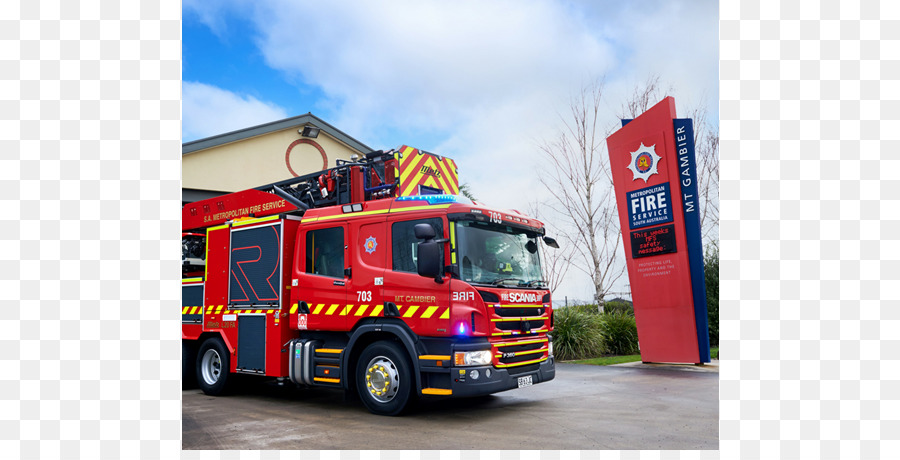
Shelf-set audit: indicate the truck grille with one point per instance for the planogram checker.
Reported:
(507, 312)
(513, 354)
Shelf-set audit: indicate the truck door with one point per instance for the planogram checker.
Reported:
(321, 278)
(423, 303)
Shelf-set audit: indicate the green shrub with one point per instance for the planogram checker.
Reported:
(618, 307)
(618, 331)
(711, 272)
(575, 334)
(587, 308)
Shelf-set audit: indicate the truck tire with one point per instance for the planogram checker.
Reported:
(213, 363)
(384, 378)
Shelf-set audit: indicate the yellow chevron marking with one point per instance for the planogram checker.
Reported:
(377, 310)
(294, 309)
(219, 308)
(428, 312)
(258, 311)
(269, 312)
(410, 311)
(346, 310)
(446, 314)
(318, 309)
(445, 168)
(361, 310)
(184, 310)
(209, 309)
(331, 309)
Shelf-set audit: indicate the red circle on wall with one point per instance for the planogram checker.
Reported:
(287, 154)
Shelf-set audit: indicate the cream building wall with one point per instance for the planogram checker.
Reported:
(262, 155)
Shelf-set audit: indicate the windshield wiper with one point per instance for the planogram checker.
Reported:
(498, 281)
(537, 283)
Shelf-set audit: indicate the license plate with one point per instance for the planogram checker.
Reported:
(525, 381)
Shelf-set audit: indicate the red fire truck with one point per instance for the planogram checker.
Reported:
(374, 277)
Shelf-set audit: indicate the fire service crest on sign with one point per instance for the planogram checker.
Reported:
(644, 162)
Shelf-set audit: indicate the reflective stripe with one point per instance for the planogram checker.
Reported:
(294, 309)
(522, 363)
(410, 311)
(377, 310)
(522, 318)
(435, 357)
(523, 342)
(346, 310)
(520, 353)
(323, 379)
(318, 309)
(428, 312)
(255, 221)
(446, 314)
(361, 310)
(436, 391)
(332, 308)
(329, 350)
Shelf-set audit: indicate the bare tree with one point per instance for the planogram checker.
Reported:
(580, 182)
(556, 261)
(643, 96)
(706, 150)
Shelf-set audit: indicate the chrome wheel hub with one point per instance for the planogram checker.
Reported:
(211, 366)
(382, 379)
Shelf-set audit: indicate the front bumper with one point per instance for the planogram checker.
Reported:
(500, 379)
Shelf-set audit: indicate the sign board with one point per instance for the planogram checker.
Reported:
(654, 174)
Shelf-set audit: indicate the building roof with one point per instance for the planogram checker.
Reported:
(253, 131)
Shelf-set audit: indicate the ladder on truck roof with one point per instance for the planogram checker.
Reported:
(362, 179)
(370, 178)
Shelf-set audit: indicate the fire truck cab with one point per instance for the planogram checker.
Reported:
(355, 279)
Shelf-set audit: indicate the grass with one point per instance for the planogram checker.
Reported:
(610, 360)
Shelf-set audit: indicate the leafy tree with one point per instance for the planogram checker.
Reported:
(711, 269)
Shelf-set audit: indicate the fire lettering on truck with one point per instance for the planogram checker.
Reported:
(463, 296)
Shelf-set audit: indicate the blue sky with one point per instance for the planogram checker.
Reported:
(481, 82)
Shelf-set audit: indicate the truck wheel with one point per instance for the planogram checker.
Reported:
(213, 363)
(188, 358)
(384, 378)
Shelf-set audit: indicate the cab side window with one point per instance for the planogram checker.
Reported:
(403, 243)
(325, 252)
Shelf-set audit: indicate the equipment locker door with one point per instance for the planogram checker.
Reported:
(322, 279)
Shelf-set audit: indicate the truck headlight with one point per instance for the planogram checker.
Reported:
(472, 358)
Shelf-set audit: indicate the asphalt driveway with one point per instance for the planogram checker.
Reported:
(585, 407)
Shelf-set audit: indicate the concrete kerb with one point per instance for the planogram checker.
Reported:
(708, 367)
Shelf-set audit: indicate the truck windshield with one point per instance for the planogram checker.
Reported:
(497, 254)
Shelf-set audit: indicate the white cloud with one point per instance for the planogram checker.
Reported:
(208, 110)
(484, 80)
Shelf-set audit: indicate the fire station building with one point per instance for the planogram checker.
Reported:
(261, 155)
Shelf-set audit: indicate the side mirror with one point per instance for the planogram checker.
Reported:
(429, 263)
(424, 232)
(551, 242)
